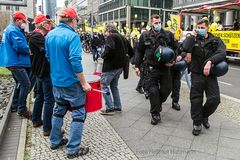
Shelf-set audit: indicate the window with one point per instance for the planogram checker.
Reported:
(17, 8)
(138, 14)
(8, 8)
(156, 3)
(116, 14)
(168, 4)
(123, 13)
(110, 16)
(154, 12)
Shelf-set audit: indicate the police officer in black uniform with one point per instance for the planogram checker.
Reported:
(206, 52)
(158, 78)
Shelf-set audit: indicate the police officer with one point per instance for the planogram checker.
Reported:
(206, 51)
(159, 75)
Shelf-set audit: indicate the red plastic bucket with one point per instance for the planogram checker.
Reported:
(93, 100)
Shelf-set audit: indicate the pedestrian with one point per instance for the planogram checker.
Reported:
(41, 69)
(69, 84)
(15, 55)
(95, 44)
(115, 56)
(158, 79)
(206, 51)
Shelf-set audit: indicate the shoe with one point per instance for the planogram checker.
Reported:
(155, 119)
(146, 95)
(26, 114)
(46, 133)
(196, 130)
(176, 106)
(13, 109)
(118, 109)
(206, 123)
(107, 112)
(140, 90)
(82, 151)
(37, 124)
(63, 143)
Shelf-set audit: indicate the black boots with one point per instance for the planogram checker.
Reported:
(176, 106)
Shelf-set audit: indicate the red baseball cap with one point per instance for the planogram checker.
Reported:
(20, 15)
(69, 13)
(40, 18)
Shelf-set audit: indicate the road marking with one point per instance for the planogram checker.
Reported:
(234, 68)
(225, 83)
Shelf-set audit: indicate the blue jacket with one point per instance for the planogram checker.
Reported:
(14, 50)
(64, 52)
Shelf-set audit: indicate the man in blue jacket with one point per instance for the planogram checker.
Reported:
(69, 85)
(15, 56)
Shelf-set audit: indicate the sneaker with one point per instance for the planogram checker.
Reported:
(63, 143)
(155, 119)
(146, 94)
(13, 109)
(107, 112)
(25, 114)
(196, 130)
(176, 106)
(206, 123)
(118, 109)
(82, 151)
(37, 124)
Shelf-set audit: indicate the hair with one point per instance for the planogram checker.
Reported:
(15, 19)
(156, 16)
(201, 21)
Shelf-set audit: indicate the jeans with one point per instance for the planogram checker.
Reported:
(72, 96)
(111, 79)
(44, 95)
(94, 53)
(22, 88)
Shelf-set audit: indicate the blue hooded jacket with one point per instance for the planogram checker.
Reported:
(64, 52)
(14, 50)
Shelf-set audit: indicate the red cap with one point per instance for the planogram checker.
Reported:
(40, 18)
(20, 15)
(69, 13)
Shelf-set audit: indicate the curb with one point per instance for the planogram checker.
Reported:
(22, 137)
(5, 118)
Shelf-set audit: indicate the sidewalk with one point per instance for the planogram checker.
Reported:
(129, 135)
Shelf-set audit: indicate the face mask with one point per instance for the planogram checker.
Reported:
(23, 26)
(157, 27)
(201, 32)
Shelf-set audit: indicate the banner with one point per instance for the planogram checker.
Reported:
(175, 19)
(230, 38)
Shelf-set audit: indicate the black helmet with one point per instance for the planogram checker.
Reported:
(180, 65)
(164, 54)
(219, 69)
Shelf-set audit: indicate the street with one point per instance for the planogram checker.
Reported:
(229, 83)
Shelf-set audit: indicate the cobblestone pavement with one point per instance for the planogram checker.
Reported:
(98, 135)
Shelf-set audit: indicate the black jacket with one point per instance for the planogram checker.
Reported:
(40, 65)
(149, 41)
(116, 50)
(204, 49)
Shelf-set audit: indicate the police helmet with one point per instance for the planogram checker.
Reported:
(180, 65)
(219, 69)
(164, 54)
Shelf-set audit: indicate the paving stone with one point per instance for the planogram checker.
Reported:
(171, 152)
(194, 155)
(229, 143)
(198, 145)
(179, 142)
(228, 153)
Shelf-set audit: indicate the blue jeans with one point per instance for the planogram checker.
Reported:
(110, 79)
(44, 95)
(94, 53)
(73, 96)
(23, 85)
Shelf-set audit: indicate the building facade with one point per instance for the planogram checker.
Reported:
(133, 12)
(51, 8)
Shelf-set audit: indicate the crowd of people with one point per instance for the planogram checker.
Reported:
(51, 60)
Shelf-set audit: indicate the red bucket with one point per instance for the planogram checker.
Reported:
(93, 100)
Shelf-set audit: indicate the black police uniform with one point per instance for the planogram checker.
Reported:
(158, 79)
(203, 50)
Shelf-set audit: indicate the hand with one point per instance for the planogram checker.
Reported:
(170, 64)
(133, 66)
(207, 68)
(188, 57)
(194, 32)
(137, 72)
(86, 87)
(179, 58)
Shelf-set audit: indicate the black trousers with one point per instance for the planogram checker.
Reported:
(159, 85)
(176, 85)
(201, 84)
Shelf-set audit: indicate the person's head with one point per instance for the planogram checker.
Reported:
(20, 19)
(156, 22)
(42, 23)
(110, 28)
(202, 27)
(69, 16)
